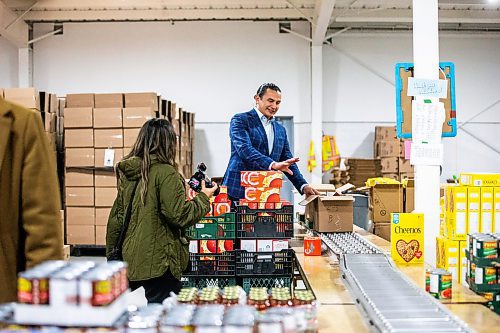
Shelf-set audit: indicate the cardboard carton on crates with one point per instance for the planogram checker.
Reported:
(384, 200)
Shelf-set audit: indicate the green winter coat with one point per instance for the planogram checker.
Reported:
(155, 238)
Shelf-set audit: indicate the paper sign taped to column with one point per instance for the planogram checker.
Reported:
(427, 88)
(427, 121)
(426, 154)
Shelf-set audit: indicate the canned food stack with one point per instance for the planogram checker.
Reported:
(483, 271)
(211, 246)
(264, 224)
(77, 293)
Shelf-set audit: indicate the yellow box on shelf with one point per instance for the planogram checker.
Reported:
(448, 256)
(480, 179)
(496, 209)
(473, 210)
(407, 238)
(456, 212)
(486, 224)
(462, 269)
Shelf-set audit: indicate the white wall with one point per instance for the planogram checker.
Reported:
(359, 93)
(213, 69)
(8, 64)
(210, 68)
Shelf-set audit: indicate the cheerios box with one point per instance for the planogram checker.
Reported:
(407, 238)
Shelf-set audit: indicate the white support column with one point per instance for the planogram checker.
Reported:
(317, 110)
(426, 60)
(24, 73)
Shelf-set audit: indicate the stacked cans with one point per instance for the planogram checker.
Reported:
(85, 284)
(483, 276)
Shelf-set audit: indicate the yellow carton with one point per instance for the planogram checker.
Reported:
(480, 179)
(456, 212)
(486, 224)
(473, 210)
(496, 209)
(407, 238)
(447, 256)
(462, 269)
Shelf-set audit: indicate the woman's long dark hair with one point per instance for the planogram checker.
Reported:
(156, 137)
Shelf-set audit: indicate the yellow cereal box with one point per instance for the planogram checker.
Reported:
(496, 210)
(447, 256)
(463, 245)
(407, 238)
(456, 212)
(480, 179)
(473, 210)
(486, 210)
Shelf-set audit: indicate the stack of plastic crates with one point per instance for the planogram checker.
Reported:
(264, 268)
(212, 259)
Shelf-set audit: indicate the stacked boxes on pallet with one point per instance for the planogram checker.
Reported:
(264, 224)
(390, 150)
(211, 254)
(469, 208)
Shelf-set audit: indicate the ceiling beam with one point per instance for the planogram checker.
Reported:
(322, 15)
(15, 31)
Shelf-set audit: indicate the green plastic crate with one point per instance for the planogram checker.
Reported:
(200, 283)
(214, 227)
(268, 282)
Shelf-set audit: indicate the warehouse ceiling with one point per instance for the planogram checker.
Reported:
(457, 15)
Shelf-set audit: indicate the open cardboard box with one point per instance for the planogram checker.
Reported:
(331, 211)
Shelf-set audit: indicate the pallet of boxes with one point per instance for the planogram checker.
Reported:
(47, 106)
(99, 129)
(391, 152)
(389, 196)
(468, 245)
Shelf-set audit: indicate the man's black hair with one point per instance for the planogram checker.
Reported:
(263, 88)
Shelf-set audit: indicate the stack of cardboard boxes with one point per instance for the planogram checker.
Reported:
(471, 207)
(386, 199)
(390, 150)
(359, 170)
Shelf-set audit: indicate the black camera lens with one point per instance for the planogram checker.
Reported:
(202, 167)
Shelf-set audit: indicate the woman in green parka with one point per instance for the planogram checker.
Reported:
(155, 246)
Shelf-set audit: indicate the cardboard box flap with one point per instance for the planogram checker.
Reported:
(343, 188)
(311, 198)
(308, 200)
(323, 187)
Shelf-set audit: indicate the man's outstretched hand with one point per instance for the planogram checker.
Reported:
(308, 190)
(285, 165)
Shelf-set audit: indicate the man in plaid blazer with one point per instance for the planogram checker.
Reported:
(258, 142)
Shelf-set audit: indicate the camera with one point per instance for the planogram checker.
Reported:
(195, 180)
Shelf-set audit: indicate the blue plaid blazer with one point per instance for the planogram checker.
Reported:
(249, 151)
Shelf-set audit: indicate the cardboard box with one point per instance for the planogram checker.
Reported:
(407, 238)
(384, 200)
(496, 210)
(27, 97)
(108, 118)
(383, 230)
(385, 133)
(409, 195)
(108, 100)
(448, 256)
(462, 268)
(130, 136)
(330, 213)
(80, 215)
(486, 225)
(480, 179)
(262, 179)
(100, 153)
(147, 99)
(100, 235)
(79, 157)
(79, 178)
(80, 101)
(78, 118)
(389, 164)
(473, 210)
(80, 196)
(105, 196)
(137, 116)
(102, 215)
(264, 245)
(455, 201)
(249, 245)
(404, 166)
(108, 138)
(390, 148)
(312, 246)
(80, 234)
(262, 194)
(105, 179)
(79, 138)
